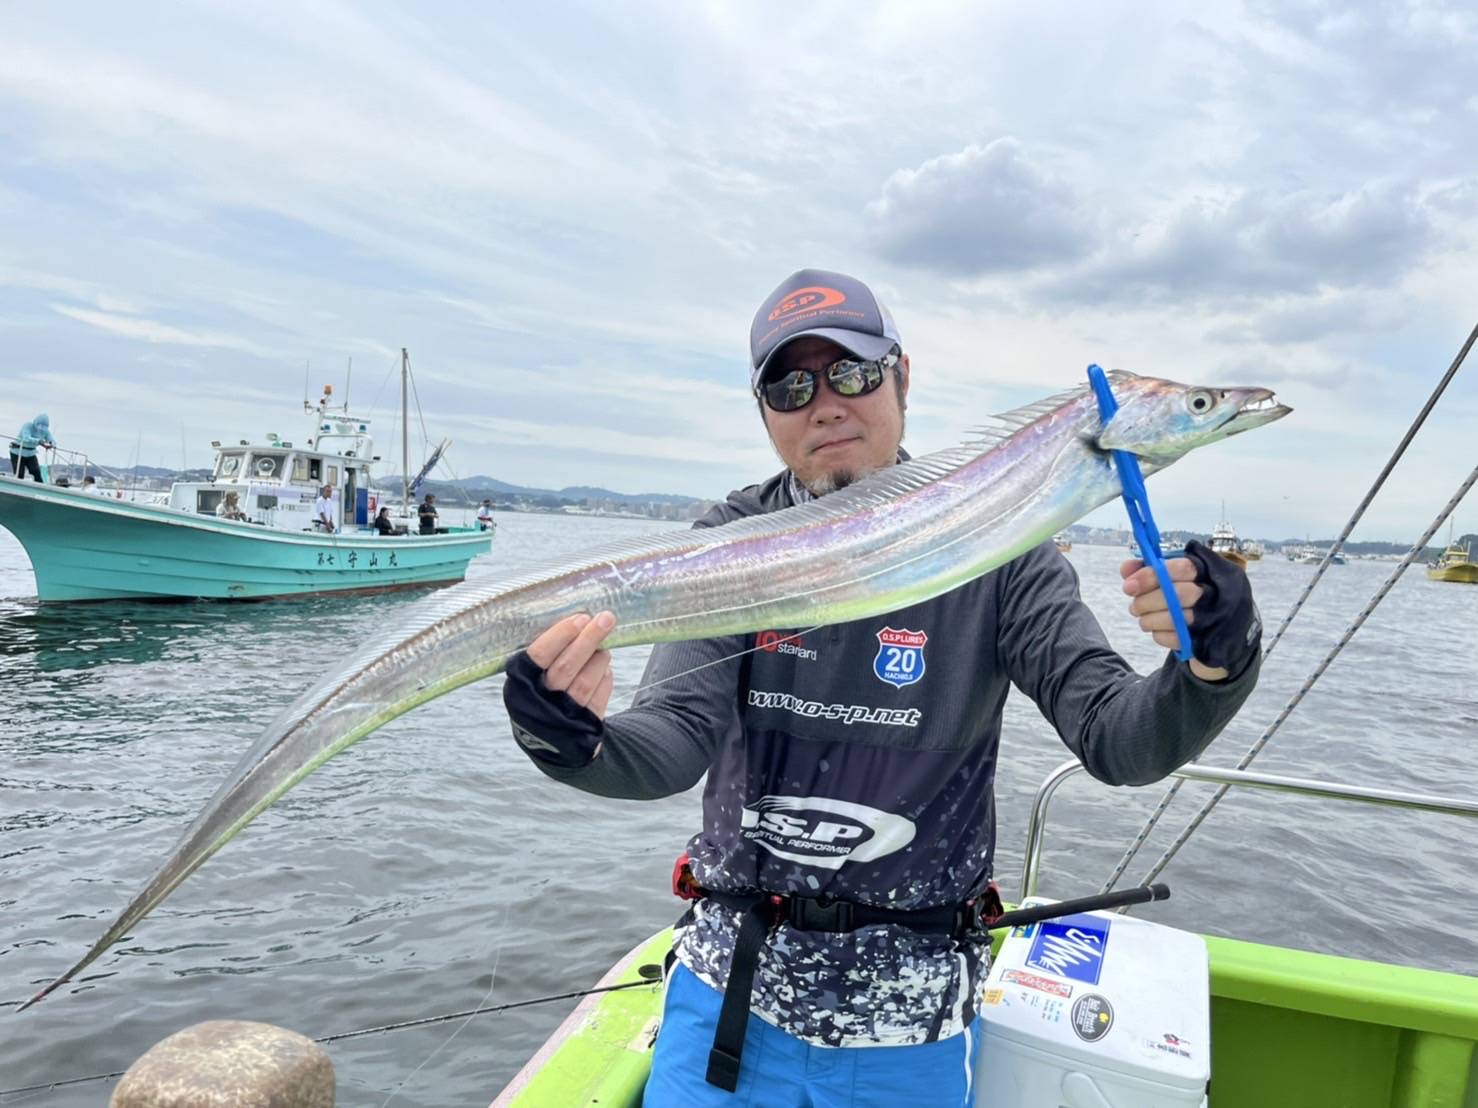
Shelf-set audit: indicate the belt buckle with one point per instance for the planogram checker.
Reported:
(972, 925)
(822, 914)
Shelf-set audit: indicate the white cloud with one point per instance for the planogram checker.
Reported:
(985, 209)
(1254, 247)
(569, 222)
(148, 330)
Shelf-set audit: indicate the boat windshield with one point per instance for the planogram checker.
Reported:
(229, 464)
(267, 466)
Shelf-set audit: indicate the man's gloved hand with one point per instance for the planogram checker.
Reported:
(549, 725)
(1227, 629)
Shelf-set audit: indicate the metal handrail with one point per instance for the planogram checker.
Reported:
(1036, 828)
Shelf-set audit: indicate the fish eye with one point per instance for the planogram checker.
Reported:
(1199, 401)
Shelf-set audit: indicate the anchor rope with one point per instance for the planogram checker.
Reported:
(1411, 555)
(403, 1024)
(1421, 417)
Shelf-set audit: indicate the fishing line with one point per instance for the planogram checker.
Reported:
(714, 662)
(493, 980)
(1256, 748)
(375, 404)
(380, 1029)
(1421, 417)
(420, 415)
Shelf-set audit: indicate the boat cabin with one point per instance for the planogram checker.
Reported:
(278, 481)
(1224, 539)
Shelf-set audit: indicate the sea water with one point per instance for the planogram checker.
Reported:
(432, 869)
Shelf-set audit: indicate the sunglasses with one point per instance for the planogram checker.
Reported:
(847, 377)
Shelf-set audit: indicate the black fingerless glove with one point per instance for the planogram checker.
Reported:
(1227, 630)
(551, 727)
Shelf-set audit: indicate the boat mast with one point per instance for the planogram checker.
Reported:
(405, 434)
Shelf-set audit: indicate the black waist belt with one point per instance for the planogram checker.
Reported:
(761, 913)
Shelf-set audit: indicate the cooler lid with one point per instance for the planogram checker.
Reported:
(1107, 992)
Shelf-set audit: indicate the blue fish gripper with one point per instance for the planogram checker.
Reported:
(1137, 501)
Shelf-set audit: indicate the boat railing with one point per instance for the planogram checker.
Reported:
(1036, 829)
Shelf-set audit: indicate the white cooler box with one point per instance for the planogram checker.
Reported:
(1096, 1011)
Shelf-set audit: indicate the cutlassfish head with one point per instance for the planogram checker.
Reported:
(1161, 421)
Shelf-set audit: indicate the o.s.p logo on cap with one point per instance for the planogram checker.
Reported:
(807, 300)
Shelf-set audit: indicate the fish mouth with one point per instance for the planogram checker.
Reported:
(1257, 408)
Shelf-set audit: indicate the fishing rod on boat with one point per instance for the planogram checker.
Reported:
(1098, 902)
(652, 974)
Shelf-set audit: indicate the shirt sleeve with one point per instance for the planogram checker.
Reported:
(1125, 728)
(664, 743)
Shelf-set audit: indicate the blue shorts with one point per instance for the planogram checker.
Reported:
(780, 1071)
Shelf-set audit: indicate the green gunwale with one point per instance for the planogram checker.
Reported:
(1289, 1029)
(602, 1053)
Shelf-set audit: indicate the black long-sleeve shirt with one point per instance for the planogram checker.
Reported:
(858, 761)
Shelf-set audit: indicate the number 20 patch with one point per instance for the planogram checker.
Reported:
(900, 659)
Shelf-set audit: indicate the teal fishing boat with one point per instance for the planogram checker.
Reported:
(249, 532)
(1179, 1019)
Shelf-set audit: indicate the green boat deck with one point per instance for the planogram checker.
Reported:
(1289, 1029)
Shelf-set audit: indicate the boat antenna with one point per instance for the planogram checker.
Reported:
(348, 375)
(405, 433)
(307, 377)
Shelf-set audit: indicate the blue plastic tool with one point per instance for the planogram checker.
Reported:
(1138, 503)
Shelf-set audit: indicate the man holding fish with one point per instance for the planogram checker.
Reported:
(848, 816)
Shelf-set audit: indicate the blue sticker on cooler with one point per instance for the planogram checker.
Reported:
(1071, 947)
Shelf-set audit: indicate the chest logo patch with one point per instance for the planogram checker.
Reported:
(900, 659)
(823, 832)
(775, 642)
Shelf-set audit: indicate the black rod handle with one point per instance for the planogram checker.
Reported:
(1022, 916)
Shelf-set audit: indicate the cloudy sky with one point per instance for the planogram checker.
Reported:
(568, 214)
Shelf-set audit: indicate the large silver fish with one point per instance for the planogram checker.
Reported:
(898, 537)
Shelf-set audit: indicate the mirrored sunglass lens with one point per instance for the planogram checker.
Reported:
(792, 391)
(855, 378)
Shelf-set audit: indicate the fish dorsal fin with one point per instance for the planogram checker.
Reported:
(885, 487)
(1017, 418)
(877, 490)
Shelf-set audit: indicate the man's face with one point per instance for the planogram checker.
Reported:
(834, 440)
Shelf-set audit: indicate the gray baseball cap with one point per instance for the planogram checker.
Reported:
(824, 304)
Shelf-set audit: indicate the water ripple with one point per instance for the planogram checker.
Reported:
(390, 883)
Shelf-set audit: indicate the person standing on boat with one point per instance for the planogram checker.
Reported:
(485, 516)
(323, 509)
(23, 447)
(848, 823)
(426, 513)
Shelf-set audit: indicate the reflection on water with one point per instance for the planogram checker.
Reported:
(430, 862)
(57, 637)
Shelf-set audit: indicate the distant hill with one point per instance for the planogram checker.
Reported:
(482, 486)
(668, 505)
(572, 498)
(1118, 536)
